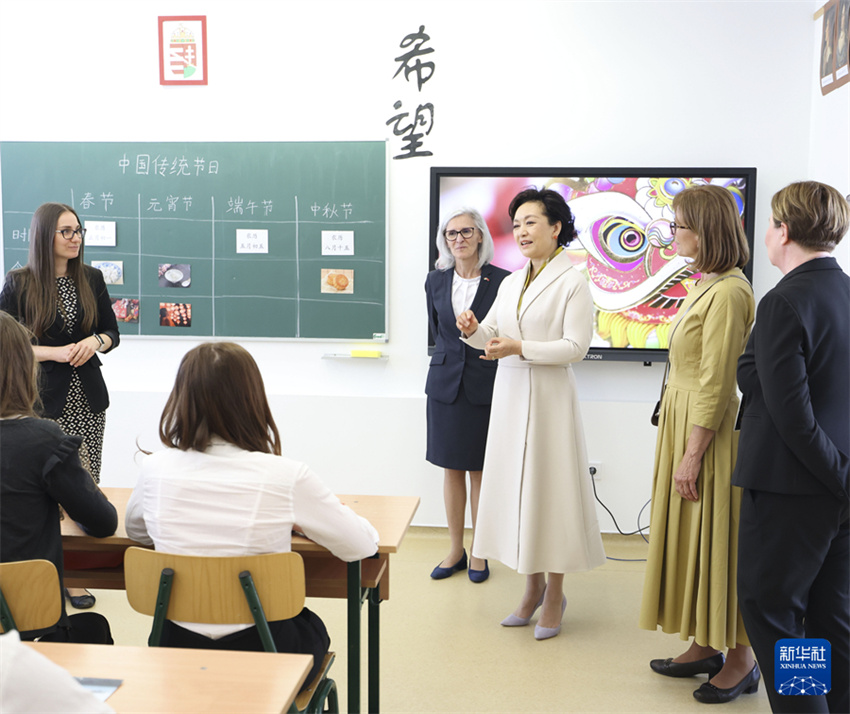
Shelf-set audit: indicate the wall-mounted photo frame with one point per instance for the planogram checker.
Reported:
(842, 44)
(183, 49)
(834, 65)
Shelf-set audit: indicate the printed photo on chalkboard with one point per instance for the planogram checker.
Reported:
(126, 309)
(113, 271)
(175, 314)
(175, 275)
(337, 281)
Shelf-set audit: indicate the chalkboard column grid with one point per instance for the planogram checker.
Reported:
(297, 273)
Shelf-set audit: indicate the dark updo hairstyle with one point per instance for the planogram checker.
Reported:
(555, 209)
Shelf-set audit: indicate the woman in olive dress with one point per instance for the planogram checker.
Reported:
(690, 585)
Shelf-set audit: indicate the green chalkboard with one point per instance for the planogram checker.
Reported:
(265, 239)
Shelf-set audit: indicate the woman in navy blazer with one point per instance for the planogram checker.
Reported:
(794, 449)
(460, 383)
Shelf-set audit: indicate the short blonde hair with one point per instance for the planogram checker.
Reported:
(712, 213)
(817, 215)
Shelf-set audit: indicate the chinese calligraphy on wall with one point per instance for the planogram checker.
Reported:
(413, 130)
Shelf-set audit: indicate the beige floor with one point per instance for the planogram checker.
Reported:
(443, 650)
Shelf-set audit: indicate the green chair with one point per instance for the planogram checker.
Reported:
(249, 589)
(30, 590)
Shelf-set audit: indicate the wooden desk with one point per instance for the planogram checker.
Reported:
(164, 679)
(326, 575)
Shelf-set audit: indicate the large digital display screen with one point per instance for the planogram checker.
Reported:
(624, 248)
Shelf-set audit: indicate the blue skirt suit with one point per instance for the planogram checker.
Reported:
(459, 384)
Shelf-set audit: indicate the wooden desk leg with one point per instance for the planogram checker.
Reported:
(354, 637)
(374, 650)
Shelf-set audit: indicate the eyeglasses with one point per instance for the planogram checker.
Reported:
(69, 233)
(465, 233)
(675, 226)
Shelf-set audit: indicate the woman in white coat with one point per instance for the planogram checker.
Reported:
(536, 511)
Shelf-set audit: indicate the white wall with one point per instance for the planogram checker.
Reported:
(829, 137)
(523, 84)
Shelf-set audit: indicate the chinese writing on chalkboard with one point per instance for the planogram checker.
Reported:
(171, 203)
(144, 165)
(240, 206)
(88, 200)
(410, 63)
(330, 210)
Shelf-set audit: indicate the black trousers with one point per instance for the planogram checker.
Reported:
(303, 634)
(793, 582)
(88, 628)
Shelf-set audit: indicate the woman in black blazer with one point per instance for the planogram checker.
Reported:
(66, 306)
(460, 383)
(794, 449)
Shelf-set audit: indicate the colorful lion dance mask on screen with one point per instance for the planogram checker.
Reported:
(636, 278)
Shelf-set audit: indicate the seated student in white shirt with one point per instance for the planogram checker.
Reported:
(221, 488)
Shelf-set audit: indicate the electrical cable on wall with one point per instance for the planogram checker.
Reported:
(639, 530)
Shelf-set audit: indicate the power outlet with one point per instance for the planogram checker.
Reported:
(595, 469)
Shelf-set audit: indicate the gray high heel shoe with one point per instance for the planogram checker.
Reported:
(544, 633)
(514, 621)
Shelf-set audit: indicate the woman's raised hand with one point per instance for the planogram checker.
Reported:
(467, 323)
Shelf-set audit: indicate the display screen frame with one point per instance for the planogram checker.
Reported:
(642, 207)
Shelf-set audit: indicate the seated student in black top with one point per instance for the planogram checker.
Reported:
(40, 470)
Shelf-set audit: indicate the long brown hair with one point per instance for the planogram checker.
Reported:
(711, 213)
(219, 391)
(18, 370)
(36, 281)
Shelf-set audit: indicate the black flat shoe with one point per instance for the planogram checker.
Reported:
(710, 666)
(479, 576)
(709, 694)
(81, 602)
(440, 573)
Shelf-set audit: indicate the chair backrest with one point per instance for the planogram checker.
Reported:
(30, 594)
(207, 589)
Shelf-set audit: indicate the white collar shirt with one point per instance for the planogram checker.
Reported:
(226, 501)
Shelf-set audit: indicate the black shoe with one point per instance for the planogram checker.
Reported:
(710, 666)
(439, 573)
(81, 602)
(709, 694)
(479, 576)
